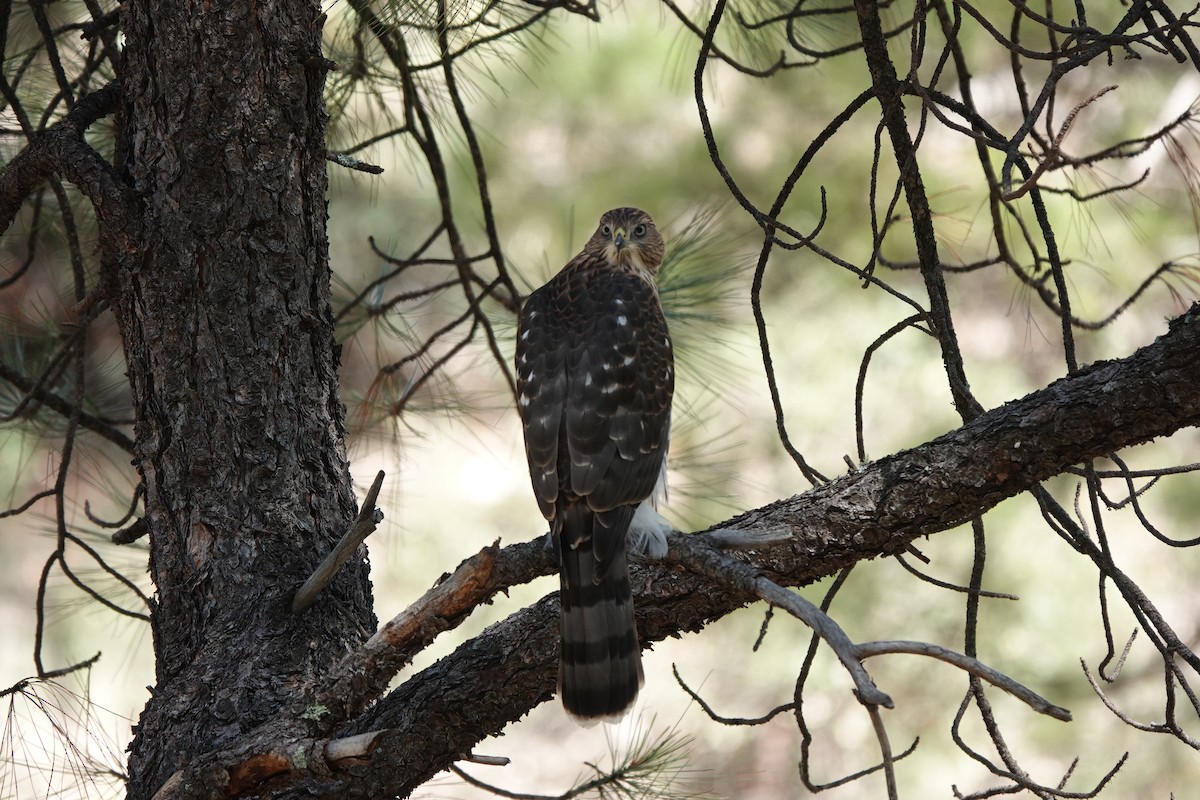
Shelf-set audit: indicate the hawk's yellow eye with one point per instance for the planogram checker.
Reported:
(640, 230)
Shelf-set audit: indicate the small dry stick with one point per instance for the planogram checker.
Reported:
(969, 665)
(729, 539)
(368, 517)
(491, 761)
(1054, 156)
(131, 533)
(350, 162)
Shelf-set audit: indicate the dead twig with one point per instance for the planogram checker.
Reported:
(368, 518)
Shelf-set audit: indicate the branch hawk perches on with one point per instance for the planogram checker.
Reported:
(595, 375)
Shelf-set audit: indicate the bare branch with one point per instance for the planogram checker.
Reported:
(62, 151)
(363, 526)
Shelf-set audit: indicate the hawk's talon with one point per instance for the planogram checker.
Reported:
(648, 532)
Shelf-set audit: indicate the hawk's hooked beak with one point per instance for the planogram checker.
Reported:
(620, 238)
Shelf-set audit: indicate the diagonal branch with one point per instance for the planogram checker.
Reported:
(439, 714)
(1107, 406)
(25, 384)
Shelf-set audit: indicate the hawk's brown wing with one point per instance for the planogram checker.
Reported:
(595, 377)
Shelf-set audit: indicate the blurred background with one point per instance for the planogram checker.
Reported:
(574, 117)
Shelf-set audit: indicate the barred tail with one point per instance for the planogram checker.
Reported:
(600, 665)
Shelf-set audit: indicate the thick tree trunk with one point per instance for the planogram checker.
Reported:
(224, 309)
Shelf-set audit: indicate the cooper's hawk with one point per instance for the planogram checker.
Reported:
(595, 377)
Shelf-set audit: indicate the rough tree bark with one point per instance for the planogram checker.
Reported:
(223, 303)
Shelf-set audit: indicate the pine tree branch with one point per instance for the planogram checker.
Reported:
(61, 150)
(25, 384)
(876, 511)
(444, 711)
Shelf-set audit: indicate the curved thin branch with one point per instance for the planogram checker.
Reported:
(969, 665)
(62, 151)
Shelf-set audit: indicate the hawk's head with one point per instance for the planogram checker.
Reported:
(628, 239)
